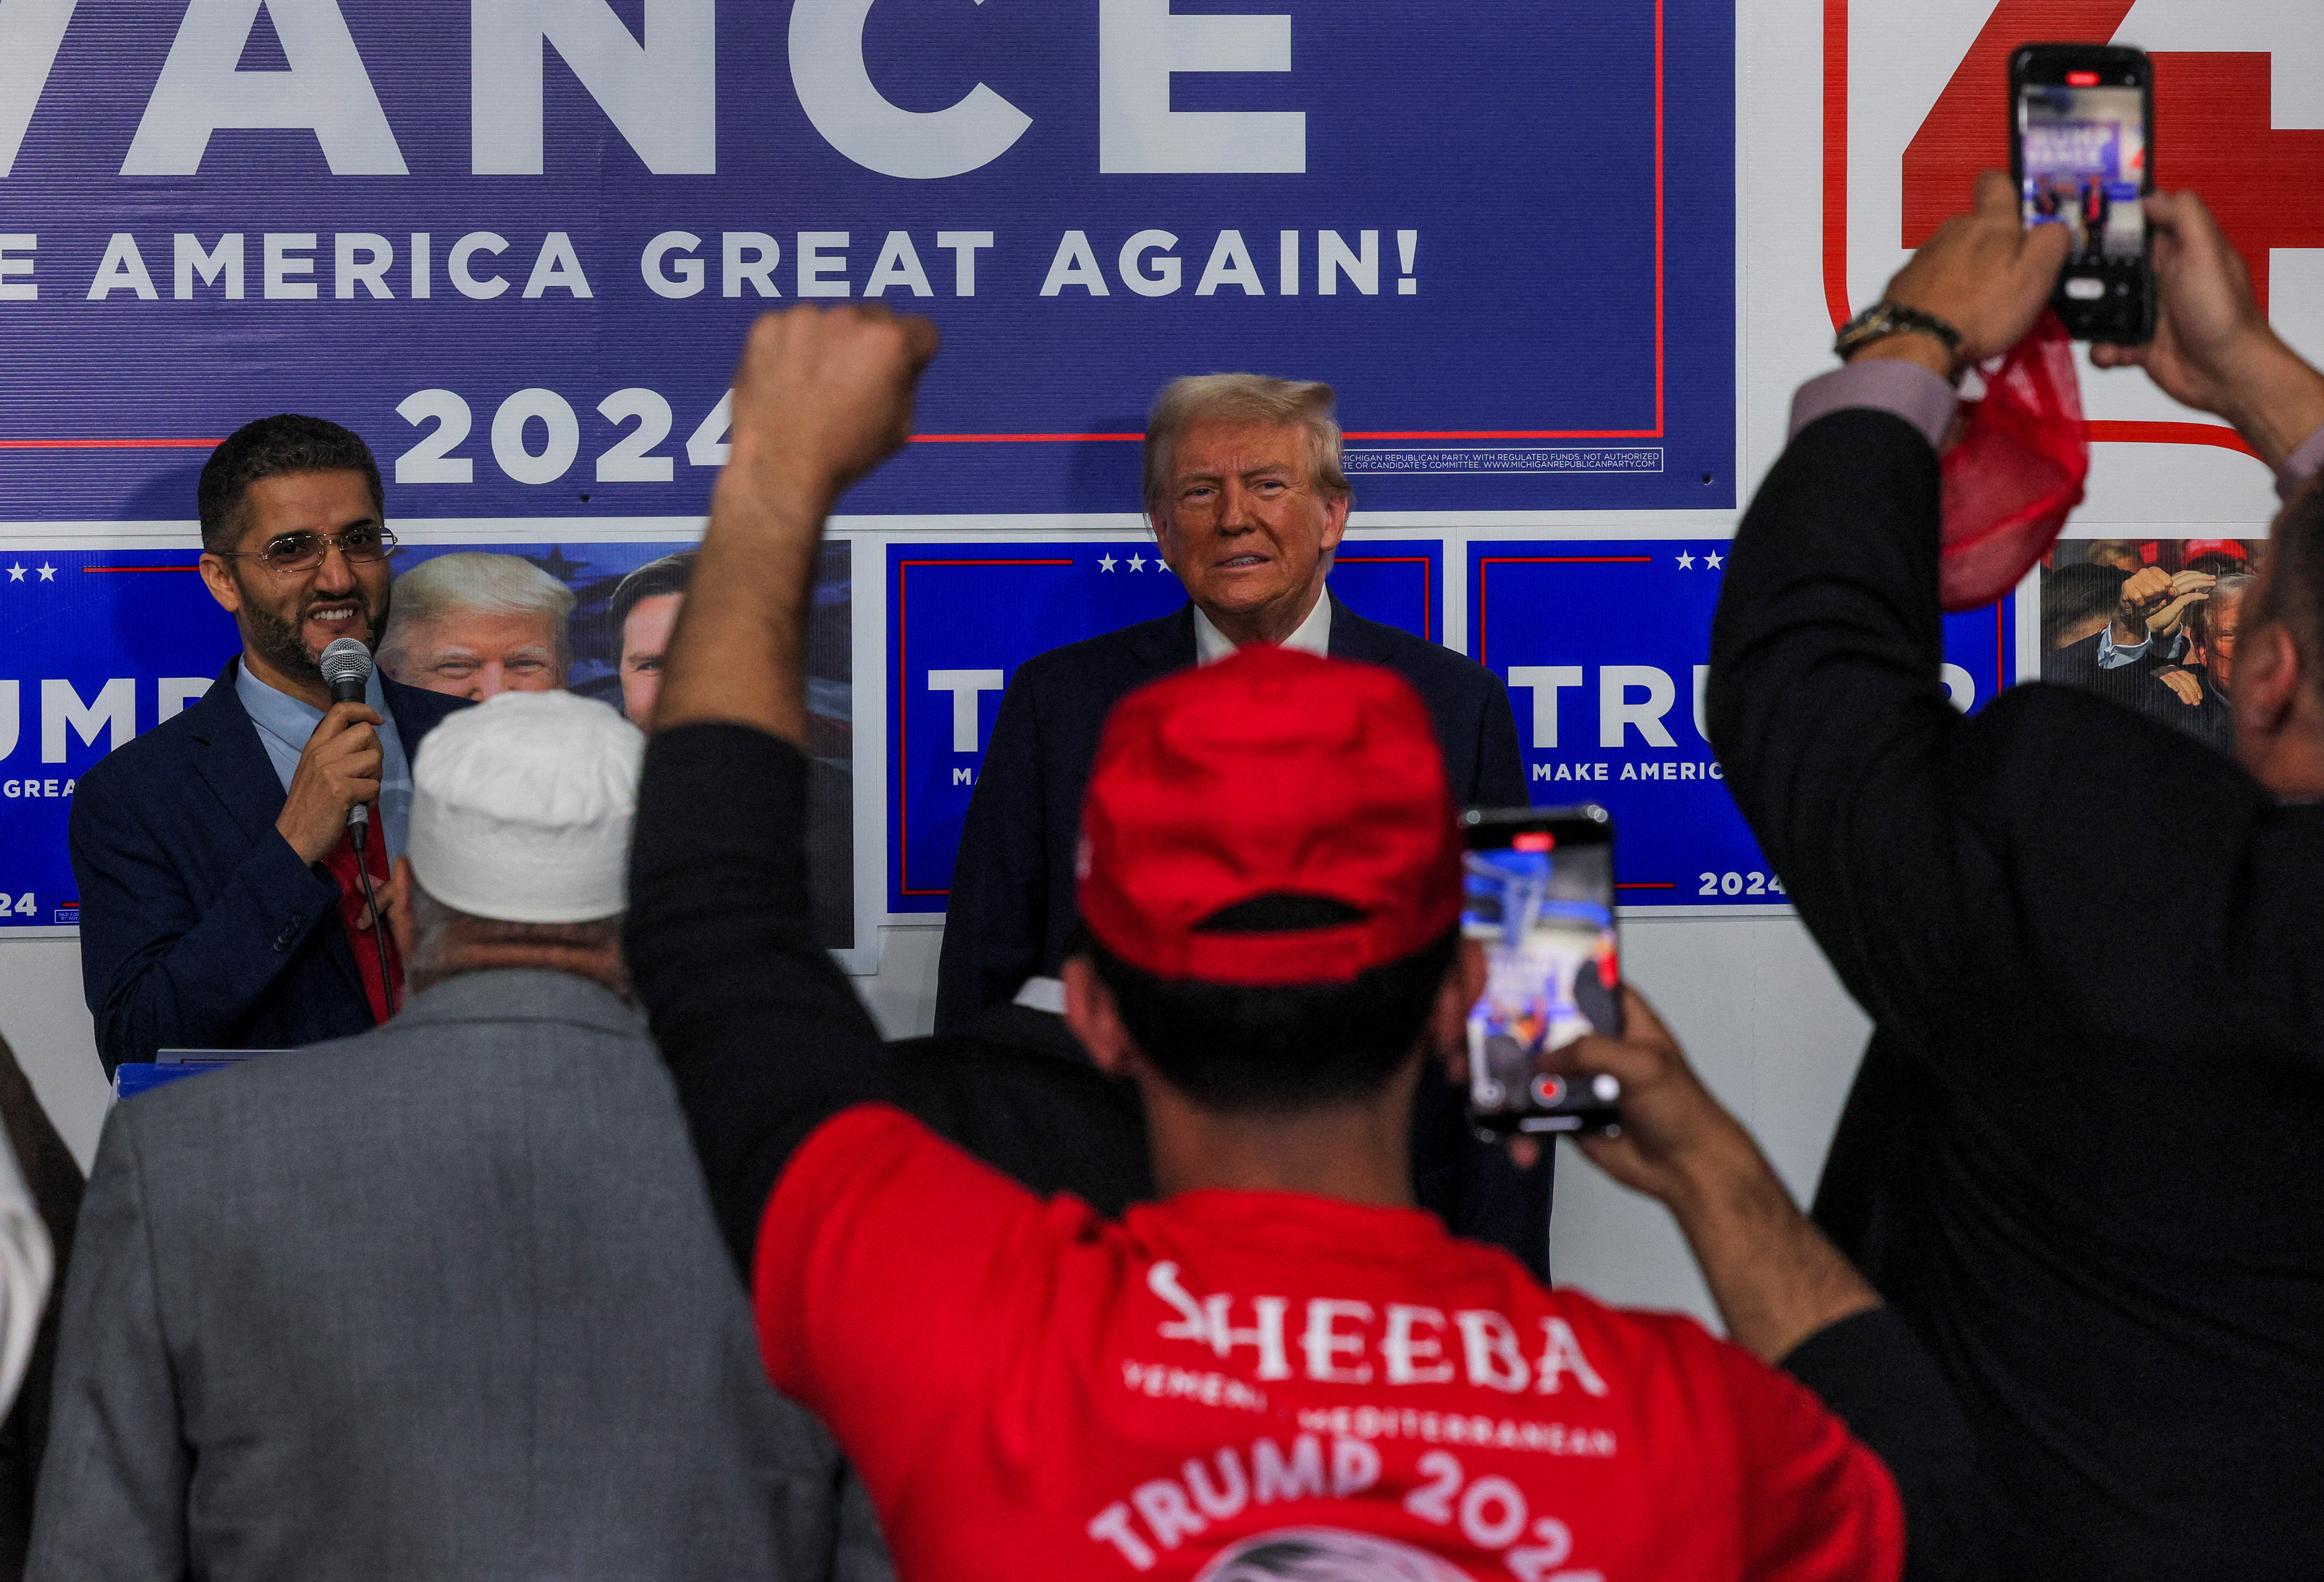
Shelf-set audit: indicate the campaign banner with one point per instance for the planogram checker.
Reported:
(97, 646)
(1606, 648)
(1916, 103)
(515, 245)
(2083, 148)
(963, 616)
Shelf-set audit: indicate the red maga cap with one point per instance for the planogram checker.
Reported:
(1271, 772)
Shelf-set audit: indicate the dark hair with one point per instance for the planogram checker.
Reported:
(670, 574)
(269, 447)
(2073, 593)
(1304, 1047)
(2293, 591)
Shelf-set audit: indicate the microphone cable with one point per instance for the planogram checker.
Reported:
(347, 665)
(360, 832)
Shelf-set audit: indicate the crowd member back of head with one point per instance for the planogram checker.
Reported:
(444, 1300)
(2080, 1156)
(1281, 1363)
(222, 896)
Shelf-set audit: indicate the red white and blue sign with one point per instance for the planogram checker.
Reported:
(515, 245)
(1606, 648)
(963, 616)
(99, 646)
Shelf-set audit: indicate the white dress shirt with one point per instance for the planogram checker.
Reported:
(1312, 635)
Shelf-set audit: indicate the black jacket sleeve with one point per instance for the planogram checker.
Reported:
(1826, 704)
(762, 1031)
(1871, 1371)
(996, 919)
(1950, 866)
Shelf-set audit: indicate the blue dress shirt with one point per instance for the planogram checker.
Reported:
(285, 723)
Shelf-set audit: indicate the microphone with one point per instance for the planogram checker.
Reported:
(346, 665)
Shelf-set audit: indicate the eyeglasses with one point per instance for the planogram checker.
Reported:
(303, 551)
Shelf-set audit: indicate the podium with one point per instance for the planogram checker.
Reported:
(132, 1078)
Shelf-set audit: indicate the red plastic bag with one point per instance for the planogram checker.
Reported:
(2015, 469)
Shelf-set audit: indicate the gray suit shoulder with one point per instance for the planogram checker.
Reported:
(488, 1213)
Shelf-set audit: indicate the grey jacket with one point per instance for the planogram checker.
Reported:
(442, 1301)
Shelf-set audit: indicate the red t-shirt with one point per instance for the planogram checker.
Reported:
(1233, 1386)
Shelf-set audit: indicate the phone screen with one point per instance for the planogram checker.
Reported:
(1539, 897)
(2084, 160)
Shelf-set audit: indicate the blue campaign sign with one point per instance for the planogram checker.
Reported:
(515, 245)
(962, 617)
(1606, 646)
(98, 646)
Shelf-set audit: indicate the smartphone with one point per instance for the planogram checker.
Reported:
(2081, 148)
(1538, 894)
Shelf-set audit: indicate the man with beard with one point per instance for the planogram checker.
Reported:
(222, 906)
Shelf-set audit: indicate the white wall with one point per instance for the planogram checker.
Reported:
(45, 1022)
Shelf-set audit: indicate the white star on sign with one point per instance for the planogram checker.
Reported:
(1138, 562)
(48, 573)
(1687, 562)
(15, 574)
(1105, 562)
(1711, 560)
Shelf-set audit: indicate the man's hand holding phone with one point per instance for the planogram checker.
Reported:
(1984, 273)
(2213, 348)
(1676, 1143)
(1774, 1277)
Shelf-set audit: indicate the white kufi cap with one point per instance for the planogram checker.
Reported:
(522, 806)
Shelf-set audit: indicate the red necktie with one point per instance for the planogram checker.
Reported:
(365, 941)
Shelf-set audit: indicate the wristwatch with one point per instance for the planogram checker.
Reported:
(1886, 318)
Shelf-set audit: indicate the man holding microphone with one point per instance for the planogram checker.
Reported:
(222, 906)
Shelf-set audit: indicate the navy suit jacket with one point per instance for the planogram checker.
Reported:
(199, 926)
(1011, 909)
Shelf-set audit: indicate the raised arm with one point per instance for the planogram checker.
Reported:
(762, 1033)
(1825, 702)
(2213, 348)
(1785, 1293)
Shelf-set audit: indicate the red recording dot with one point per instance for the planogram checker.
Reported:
(1548, 1091)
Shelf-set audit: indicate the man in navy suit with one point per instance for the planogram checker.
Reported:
(1244, 487)
(222, 905)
